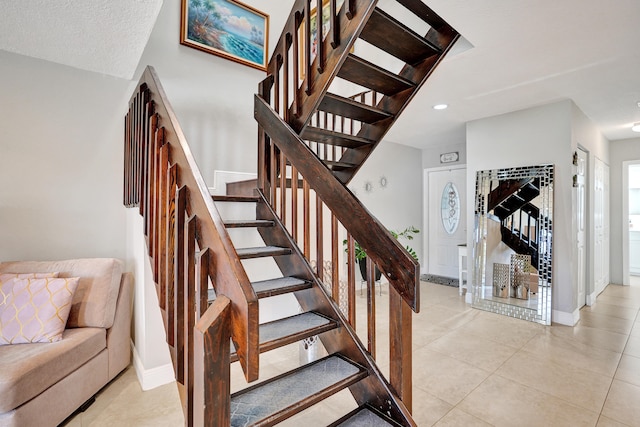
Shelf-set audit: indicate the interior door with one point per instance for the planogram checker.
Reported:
(600, 225)
(446, 220)
(581, 206)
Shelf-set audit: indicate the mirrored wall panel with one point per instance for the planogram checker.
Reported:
(513, 242)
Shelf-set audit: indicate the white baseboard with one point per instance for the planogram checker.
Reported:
(154, 377)
(564, 318)
(591, 298)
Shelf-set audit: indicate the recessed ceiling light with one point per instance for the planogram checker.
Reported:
(636, 127)
(440, 106)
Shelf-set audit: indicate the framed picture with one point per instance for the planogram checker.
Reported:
(227, 28)
(326, 24)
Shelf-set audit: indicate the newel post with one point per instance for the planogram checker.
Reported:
(400, 339)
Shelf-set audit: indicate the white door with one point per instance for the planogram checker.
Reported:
(581, 206)
(600, 226)
(446, 219)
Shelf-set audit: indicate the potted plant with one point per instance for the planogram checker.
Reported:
(361, 255)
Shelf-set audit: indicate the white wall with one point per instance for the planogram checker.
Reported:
(399, 204)
(622, 150)
(61, 152)
(540, 135)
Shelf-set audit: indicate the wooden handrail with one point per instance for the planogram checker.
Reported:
(392, 259)
(180, 221)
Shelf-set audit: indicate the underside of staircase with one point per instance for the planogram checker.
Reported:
(315, 133)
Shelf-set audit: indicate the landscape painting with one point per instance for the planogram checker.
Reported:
(226, 28)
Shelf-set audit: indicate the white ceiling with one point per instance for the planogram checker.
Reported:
(105, 36)
(526, 53)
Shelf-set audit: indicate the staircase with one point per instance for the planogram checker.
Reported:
(312, 140)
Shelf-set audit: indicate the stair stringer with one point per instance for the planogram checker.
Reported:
(373, 390)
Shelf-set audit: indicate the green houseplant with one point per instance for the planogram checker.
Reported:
(361, 255)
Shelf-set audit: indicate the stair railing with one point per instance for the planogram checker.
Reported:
(300, 79)
(191, 256)
(290, 163)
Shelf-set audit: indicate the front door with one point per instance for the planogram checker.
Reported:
(446, 219)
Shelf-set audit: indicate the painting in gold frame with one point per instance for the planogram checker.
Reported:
(226, 28)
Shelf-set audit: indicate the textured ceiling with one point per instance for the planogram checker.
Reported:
(105, 36)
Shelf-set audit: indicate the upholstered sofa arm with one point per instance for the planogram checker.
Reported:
(119, 335)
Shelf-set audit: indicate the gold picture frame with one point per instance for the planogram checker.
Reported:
(226, 28)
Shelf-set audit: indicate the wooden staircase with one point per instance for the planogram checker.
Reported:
(311, 143)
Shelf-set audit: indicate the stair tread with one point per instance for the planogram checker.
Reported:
(262, 251)
(333, 165)
(364, 73)
(335, 104)
(362, 417)
(249, 223)
(334, 138)
(288, 330)
(395, 38)
(283, 396)
(231, 198)
(281, 285)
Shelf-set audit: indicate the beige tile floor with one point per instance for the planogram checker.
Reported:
(471, 368)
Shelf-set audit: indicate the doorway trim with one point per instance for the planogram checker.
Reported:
(626, 275)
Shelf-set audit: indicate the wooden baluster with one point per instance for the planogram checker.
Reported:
(283, 189)
(154, 196)
(351, 280)
(307, 45)
(180, 267)
(335, 29)
(319, 239)
(285, 78)
(190, 314)
(296, 64)
(202, 295)
(294, 204)
(371, 308)
(148, 160)
(320, 37)
(306, 202)
(126, 196)
(276, 95)
(212, 365)
(162, 225)
(274, 175)
(172, 188)
(136, 150)
(335, 247)
(400, 339)
(351, 8)
(264, 91)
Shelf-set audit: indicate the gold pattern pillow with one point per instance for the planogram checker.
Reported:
(35, 309)
(7, 276)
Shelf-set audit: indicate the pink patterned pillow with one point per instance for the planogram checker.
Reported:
(35, 309)
(8, 276)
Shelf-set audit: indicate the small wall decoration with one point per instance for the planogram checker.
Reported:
(450, 208)
(454, 156)
(226, 28)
